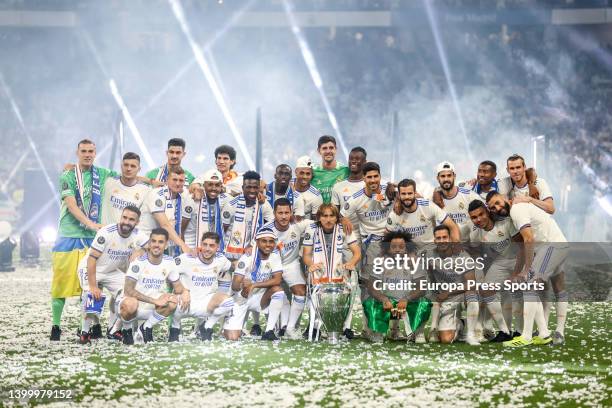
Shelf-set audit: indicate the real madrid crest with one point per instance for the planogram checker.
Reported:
(423, 219)
(101, 240)
(461, 205)
(159, 202)
(500, 233)
(135, 268)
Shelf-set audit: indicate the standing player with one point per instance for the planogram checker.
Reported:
(243, 215)
(523, 188)
(124, 191)
(256, 284)
(330, 171)
(166, 207)
(544, 251)
(144, 296)
(206, 214)
(344, 190)
(307, 198)
(175, 154)
(104, 268)
(454, 200)
(446, 266)
(207, 275)
(370, 206)
(418, 216)
(289, 235)
(82, 189)
(281, 186)
(494, 240)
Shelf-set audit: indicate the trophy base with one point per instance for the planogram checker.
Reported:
(333, 338)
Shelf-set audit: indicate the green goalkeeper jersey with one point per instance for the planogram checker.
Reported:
(152, 174)
(324, 179)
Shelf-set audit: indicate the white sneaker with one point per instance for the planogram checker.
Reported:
(293, 334)
(433, 336)
(420, 338)
(472, 340)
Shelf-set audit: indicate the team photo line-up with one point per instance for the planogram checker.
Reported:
(471, 263)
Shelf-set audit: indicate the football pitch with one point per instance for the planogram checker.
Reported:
(291, 373)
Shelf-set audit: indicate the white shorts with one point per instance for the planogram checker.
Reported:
(292, 274)
(198, 307)
(371, 252)
(450, 312)
(548, 261)
(111, 281)
(145, 310)
(499, 271)
(241, 307)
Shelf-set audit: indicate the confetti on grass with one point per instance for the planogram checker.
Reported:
(294, 373)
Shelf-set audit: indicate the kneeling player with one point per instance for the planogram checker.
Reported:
(449, 273)
(102, 269)
(143, 295)
(396, 292)
(256, 284)
(207, 275)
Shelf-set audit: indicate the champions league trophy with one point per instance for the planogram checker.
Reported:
(333, 304)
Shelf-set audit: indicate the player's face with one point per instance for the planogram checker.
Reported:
(499, 206)
(407, 196)
(356, 161)
(213, 189)
(282, 176)
(175, 154)
(328, 220)
(130, 168)
(397, 246)
(128, 222)
(250, 189)
(485, 175)
(282, 215)
(86, 154)
(224, 163)
(303, 176)
(209, 248)
(442, 240)
(176, 182)
(516, 170)
(480, 217)
(372, 180)
(266, 245)
(157, 245)
(446, 178)
(328, 152)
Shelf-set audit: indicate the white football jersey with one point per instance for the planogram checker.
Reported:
(419, 223)
(457, 209)
(307, 204)
(498, 240)
(449, 269)
(343, 191)
(288, 242)
(208, 219)
(544, 227)
(371, 212)
(158, 200)
(116, 250)
(151, 279)
(229, 210)
(267, 268)
(202, 278)
(514, 190)
(117, 196)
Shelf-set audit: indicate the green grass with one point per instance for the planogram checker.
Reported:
(295, 373)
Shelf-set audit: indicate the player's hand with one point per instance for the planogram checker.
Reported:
(401, 306)
(248, 250)
(315, 267)
(163, 300)
(437, 198)
(521, 199)
(93, 226)
(197, 191)
(398, 208)
(348, 266)
(387, 305)
(247, 287)
(531, 174)
(471, 182)
(69, 166)
(95, 292)
(346, 225)
(442, 297)
(185, 300)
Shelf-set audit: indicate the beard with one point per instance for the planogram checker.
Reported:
(407, 203)
(125, 229)
(447, 185)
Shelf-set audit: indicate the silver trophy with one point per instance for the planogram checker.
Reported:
(333, 305)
